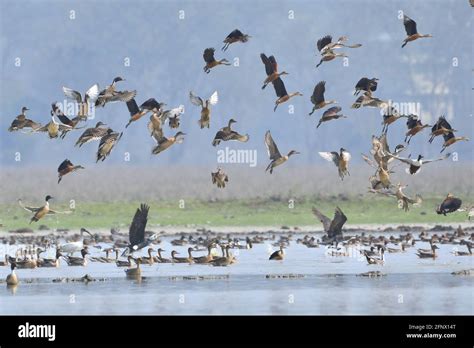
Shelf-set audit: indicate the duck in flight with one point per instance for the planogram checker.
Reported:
(211, 62)
(412, 33)
(332, 228)
(227, 134)
(205, 107)
(414, 165)
(84, 105)
(111, 95)
(235, 36)
(274, 154)
(271, 69)
(67, 167)
(136, 233)
(40, 212)
(21, 122)
(341, 160)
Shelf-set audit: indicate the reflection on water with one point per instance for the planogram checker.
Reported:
(330, 285)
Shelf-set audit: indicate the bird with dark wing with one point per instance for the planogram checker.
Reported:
(150, 105)
(414, 126)
(92, 134)
(332, 113)
(219, 178)
(412, 33)
(449, 205)
(450, 139)
(281, 92)
(53, 127)
(333, 228)
(227, 134)
(441, 127)
(107, 143)
(235, 36)
(67, 167)
(271, 69)
(317, 98)
(211, 62)
(274, 154)
(21, 122)
(136, 233)
(111, 95)
(366, 84)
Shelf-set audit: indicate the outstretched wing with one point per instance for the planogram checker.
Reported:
(214, 98)
(410, 25)
(269, 68)
(137, 228)
(279, 86)
(330, 156)
(335, 229)
(66, 163)
(318, 93)
(208, 55)
(332, 111)
(30, 209)
(323, 218)
(72, 94)
(195, 99)
(323, 42)
(272, 149)
(92, 93)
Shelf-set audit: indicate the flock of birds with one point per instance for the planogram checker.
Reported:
(336, 244)
(380, 159)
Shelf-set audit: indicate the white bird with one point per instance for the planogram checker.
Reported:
(415, 164)
(72, 247)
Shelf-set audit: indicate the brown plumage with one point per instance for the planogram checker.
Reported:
(211, 62)
(67, 167)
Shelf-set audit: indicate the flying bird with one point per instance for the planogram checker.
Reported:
(205, 107)
(107, 143)
(67, 167)
(235, 36)
(40, 212)
(281, 92)
(271, 69)
(414, 165)
(21, 122)
(92, 134)
(211, 62)
(85, 104)
(317, 98)
(150, 105)
(226, 134)
(449, 205)
(366, 84)
(333, 228)
(274, 154)
(332, 113)
(341, 160)
(219, 178)
(441, 127)
(412, 33)
(136, 233)
(414, 126)
(111, 95)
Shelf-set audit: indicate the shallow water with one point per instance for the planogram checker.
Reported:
(329, 285)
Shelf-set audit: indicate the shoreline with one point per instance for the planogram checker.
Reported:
(177, 230)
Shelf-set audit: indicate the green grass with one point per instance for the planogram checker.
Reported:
(375, 210)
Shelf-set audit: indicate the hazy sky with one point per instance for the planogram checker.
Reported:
(79, 43)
